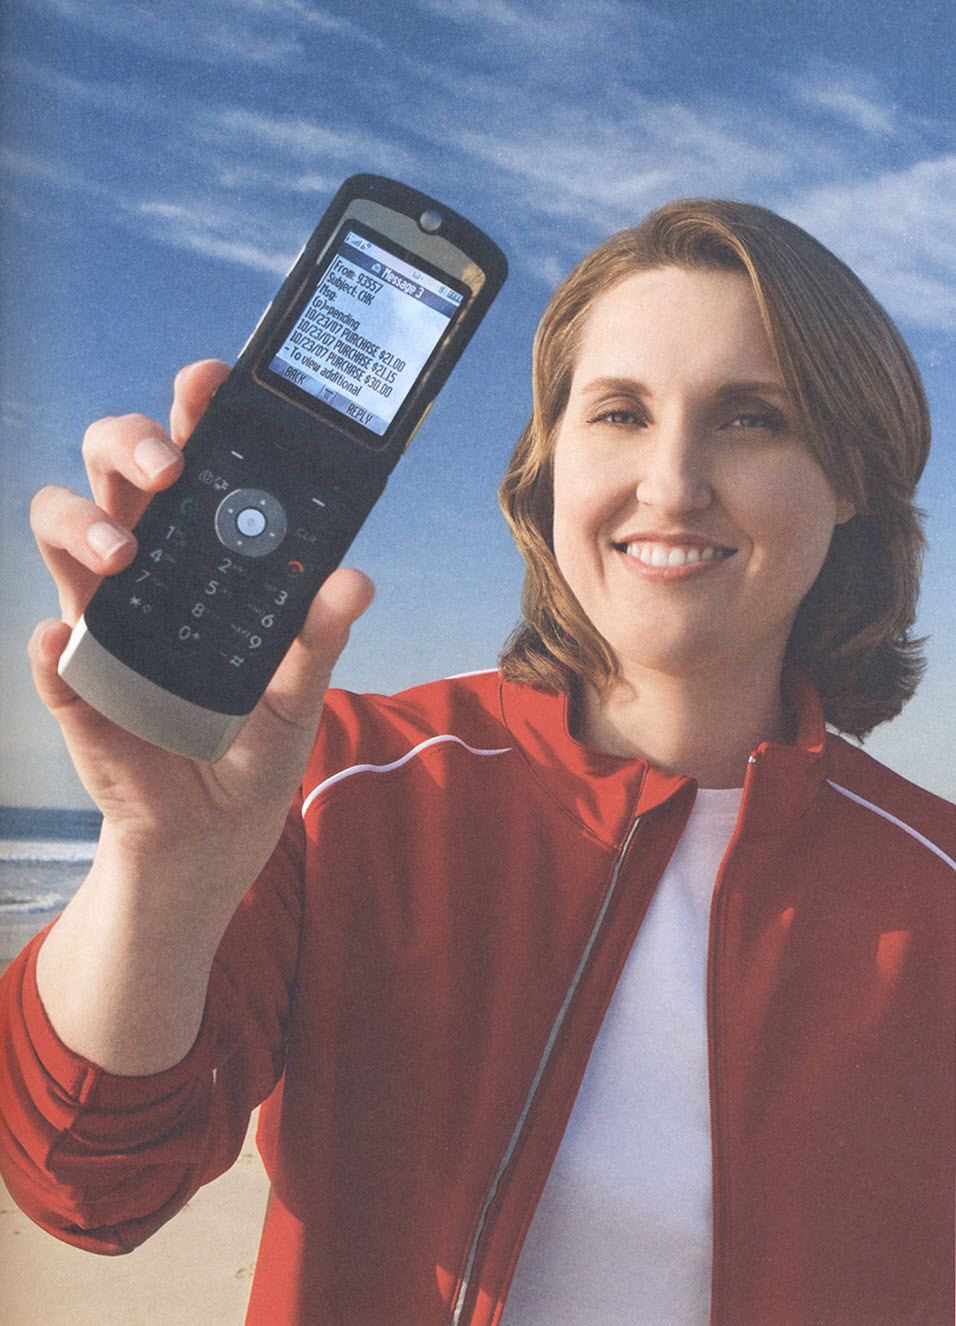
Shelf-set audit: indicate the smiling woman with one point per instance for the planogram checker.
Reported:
(844, 393)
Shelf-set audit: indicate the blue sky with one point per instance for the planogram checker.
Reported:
(163, 163)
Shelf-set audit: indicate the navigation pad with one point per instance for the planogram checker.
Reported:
(251, 522)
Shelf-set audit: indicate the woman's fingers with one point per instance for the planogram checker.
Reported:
(337, 606)
(47, 643)
(193, 390)
(80, 544)
(293, 700)
(128, 459)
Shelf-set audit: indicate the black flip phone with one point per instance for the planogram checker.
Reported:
(284, 466)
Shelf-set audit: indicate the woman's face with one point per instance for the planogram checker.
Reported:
(690, 517)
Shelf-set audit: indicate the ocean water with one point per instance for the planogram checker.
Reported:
(44, 858)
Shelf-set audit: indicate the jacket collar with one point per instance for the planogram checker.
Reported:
(605, 792)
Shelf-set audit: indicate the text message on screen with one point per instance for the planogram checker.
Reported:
(366, 333)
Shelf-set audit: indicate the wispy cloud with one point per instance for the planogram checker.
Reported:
(561, 38)
(266, 33)
(296, 140)
(214, 234)
(219, 232)
(828, 146)
(559, 115)
(843, 100)
(847, 97)
(898, 231)
(54, 176)
(15, 416)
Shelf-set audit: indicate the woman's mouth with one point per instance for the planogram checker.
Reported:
(673, 555)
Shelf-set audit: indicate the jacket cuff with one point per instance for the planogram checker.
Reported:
(76, 1079)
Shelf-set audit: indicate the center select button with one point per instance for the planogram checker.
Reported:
(251, 522)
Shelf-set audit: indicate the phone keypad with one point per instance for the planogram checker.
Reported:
(222, 579)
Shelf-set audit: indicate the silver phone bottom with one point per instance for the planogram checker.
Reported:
(142, 707)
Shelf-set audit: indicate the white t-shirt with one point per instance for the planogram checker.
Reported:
(624, 1228)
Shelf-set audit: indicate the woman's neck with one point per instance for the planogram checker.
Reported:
(704, 727)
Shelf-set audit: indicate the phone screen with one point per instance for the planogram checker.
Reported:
(365, 332)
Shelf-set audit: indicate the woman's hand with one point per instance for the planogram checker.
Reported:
(181, 841)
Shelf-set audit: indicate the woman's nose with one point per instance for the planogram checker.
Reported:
(674, 474)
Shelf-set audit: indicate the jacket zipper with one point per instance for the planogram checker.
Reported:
(509, 1152)
(720, 1215)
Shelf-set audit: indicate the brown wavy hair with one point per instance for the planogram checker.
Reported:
(859, 399)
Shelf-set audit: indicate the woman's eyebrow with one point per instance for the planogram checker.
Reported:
(609, 385)
(768, 387)
(754, 387)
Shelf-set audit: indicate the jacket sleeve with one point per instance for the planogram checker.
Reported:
(102, 1161)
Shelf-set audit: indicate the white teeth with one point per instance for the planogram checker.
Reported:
(663, 554)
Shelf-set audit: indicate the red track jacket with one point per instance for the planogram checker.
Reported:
(423, 967)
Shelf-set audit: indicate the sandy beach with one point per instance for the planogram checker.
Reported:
(196, 1271)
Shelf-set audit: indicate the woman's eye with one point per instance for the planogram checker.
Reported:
(626, 417)
(771, 422)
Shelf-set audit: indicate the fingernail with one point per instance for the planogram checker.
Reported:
(105, 539)
(153, 455)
